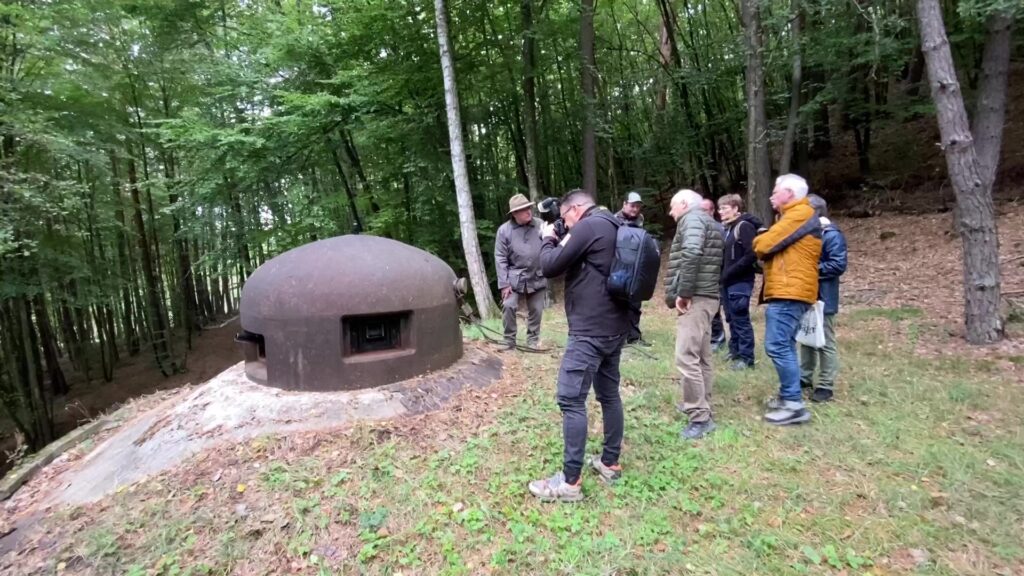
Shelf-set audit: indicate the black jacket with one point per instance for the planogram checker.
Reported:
(585, 256)
(739, 258)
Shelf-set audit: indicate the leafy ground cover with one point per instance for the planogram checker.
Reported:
(917, 469)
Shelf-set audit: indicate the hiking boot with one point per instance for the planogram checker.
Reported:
(556, 489)
(608, 474)
(741, 365)
(787, 413)
(507, 347)
(697, 430)
(821, 395)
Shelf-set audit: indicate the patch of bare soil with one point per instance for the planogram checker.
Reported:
(916, 261)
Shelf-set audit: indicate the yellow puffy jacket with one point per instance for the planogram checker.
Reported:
(790, 250)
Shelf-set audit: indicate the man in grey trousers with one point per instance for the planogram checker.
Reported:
(831, 266)
(517, 261)
(691, 288)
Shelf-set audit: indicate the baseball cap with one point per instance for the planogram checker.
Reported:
(634, 197)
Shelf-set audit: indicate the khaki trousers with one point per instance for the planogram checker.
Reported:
(693, 357)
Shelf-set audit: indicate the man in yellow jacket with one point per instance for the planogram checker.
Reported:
(790, 250)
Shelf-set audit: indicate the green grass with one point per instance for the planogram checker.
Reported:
(916, 454)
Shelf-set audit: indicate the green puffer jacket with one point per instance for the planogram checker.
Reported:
(695, 262)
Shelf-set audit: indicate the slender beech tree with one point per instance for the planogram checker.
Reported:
(467, 218)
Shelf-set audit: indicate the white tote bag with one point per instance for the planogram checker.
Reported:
(812, 326)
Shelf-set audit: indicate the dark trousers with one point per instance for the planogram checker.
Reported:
(634, 333)
(736, 302)
(535, 305)
(717, 329)
(589, 362)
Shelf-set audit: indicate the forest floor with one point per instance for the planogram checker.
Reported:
(917, 468)
(214, 350)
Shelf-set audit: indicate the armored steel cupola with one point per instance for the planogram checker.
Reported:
(349, 312)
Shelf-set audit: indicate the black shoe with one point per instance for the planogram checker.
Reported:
(804, 385)
(821, 395)
(698, 430)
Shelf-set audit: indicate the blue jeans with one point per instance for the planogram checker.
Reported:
(782, 321)
(736, 302)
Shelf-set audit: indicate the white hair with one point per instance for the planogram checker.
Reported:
(795, 183)
(688, 197)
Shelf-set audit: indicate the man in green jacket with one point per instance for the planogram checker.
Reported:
(691, 287)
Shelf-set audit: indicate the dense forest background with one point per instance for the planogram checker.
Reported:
(155, 152)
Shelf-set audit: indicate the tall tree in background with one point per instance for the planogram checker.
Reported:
(467, 219)
(759, 170)
(793, 121)
(971, 159)
(588, 80)
(530, 98)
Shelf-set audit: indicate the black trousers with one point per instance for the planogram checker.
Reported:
(589, 362)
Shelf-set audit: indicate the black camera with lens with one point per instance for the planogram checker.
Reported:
(549, 209)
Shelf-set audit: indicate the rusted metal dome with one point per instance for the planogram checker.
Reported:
(349, 312)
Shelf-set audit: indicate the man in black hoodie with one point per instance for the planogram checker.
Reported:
(597, 331)
(738, 278)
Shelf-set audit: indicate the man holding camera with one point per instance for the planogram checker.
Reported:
(517, 261)
(597, 329)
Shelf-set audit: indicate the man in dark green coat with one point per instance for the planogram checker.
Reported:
(692, 288)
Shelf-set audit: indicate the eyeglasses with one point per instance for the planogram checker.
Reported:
(566, 209)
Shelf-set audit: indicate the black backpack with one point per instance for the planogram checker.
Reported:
(635, 267)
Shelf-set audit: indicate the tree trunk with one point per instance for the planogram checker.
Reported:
(58, 383)
(131, 334)
(991, 105)
(588, 71)
(183, 260)
(665, 57)
(31, 377)
(202, 291)
(67, 331)
(159, 333)
(467, 219)
(794, 88)
(356, 220)
(759, 172)
(973, 192)
(530, 100)
(106, 344)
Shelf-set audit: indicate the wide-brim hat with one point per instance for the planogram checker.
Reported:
(518, 202)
